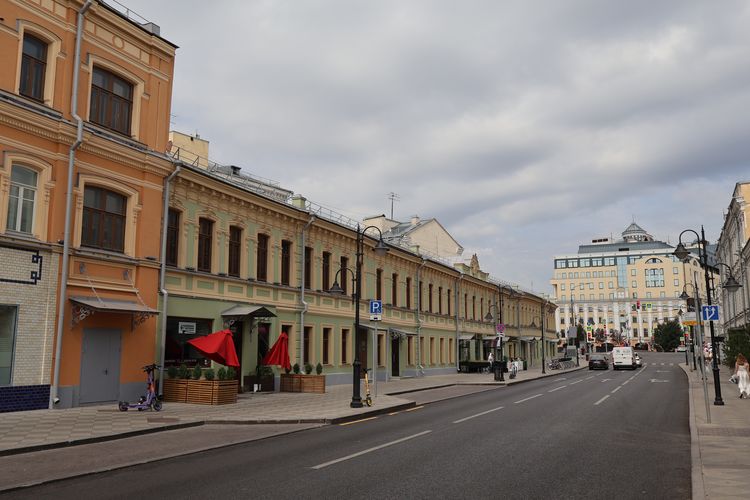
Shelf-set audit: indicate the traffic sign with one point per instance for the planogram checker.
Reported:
(500, 328)
(710, 313)
(376, 310)
(689, 319)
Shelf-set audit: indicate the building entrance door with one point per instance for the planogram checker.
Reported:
(395, 368)
(100, 365)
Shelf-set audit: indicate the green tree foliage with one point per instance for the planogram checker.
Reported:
(737, 341)
(668, 335)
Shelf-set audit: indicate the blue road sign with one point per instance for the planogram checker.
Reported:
(710, 313)
(376, 307)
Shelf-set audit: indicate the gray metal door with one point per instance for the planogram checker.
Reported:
(100, 365)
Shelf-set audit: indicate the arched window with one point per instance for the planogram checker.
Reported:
(23, 187)
(104, 214)
(111, 101)
(33, 67)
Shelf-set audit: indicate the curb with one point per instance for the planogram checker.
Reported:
(696, 469)
(97, 439)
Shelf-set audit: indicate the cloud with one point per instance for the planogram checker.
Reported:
(526, 128)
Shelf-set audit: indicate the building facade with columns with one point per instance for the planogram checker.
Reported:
(623, 286)
(733, 249)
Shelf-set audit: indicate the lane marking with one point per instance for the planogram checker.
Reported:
(477, 415)
(577, 381)
(626, 382)
(369, 450)
(605, 397)
(358, 421)
(588, 378)
(394, 413)
(558, 388)
(616, 389)
(523, 400)
(415, 408)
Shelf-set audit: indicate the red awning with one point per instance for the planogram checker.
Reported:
(217, 346)
(279, 353)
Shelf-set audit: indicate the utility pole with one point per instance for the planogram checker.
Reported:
(393, 197)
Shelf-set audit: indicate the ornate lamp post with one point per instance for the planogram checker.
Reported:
(380, 249)
(498, 359)
(682, 253)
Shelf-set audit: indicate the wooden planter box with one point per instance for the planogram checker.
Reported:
(204, 392)
(303, 383)
(175, 390)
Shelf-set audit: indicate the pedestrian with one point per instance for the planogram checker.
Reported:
(742, 370)
(490, 360)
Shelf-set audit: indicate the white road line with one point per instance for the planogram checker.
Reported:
(577, 381)
(616, 389)
(626, 382)
(532, 397)
(478, 415)
(587, 378)
(558, 388)
(363, 452)
(605, 397)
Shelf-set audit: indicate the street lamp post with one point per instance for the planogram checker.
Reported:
(380, 249)
(498, 368)
(682, 253)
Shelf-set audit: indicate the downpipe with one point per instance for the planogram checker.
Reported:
(420, 368)
(302, 292)
(455, 305)
(54, 399)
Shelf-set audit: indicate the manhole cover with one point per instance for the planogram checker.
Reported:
(724, 431)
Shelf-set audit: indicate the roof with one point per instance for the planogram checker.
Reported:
(618, 246)
(116, 306)
(248, 310)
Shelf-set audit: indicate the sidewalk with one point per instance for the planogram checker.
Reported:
(719, 449)
(22, 432)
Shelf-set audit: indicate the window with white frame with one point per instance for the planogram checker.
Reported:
(8, 315)
(23, 187)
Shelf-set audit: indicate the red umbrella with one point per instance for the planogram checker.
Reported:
(218, 346)
(279, 353)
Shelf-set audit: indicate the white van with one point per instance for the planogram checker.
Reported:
(623, 357)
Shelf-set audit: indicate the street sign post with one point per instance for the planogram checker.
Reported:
(376, 310)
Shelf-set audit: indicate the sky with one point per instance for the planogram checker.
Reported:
(525, 127)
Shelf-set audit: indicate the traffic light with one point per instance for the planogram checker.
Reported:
(638, 304)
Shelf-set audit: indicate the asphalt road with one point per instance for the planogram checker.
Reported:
(585, 434)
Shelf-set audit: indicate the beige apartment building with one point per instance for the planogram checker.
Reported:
(626, 286)
(734, 251)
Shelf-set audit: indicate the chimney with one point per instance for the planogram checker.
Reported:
(235, 169)
(414, 220)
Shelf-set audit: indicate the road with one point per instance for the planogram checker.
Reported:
(585, 434)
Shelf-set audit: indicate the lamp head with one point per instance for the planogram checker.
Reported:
(681, 252)
(684, 295)
(731, 284)
(488, 316)
(336, 288)
(381, 248)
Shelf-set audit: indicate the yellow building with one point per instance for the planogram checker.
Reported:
(624, 286)
(733, 249)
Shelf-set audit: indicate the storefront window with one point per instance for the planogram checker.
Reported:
(7, 337)
(179, 331)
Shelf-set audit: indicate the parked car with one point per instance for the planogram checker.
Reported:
(598, 361)
(681, 348)
(641, 346)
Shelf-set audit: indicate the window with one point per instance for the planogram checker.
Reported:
(562, 297)
(343, 274)
(601, 285)
(111, 101)
(308, 267)
(103, 219)
(326, 345)
(205, 233)
(173, 236)
(560, 264)
(448, 301)
(23, 182)
(676, 282)
(440, 300)
(585, 262)
(379, 284)
(344, 346)
(408, 293)
(286, 261)
(655, 278)
(591, 286)
(235, 247)
(466, 306)
(8, 320)
(420, 300)
(610, 285)
(394, 289)
(429, 298)
(562, 286)
(675, 270)
(261, 269)
(634, 284)
(632, 272)
(33, 68)
(474, 307)
(308, 340)
(326, 271)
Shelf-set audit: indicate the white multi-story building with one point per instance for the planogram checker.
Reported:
(626, 286)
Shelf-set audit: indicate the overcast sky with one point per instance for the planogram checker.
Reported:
(525, 128)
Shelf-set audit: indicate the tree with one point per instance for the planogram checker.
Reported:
(668, 335)
(738, 341)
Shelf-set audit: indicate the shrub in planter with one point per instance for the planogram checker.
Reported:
(172, 372)
(295, 368)
(231, 373)
(222, 373)
(308, 368)
(288, 370)
(209, 374)
(197, 372)
(318, 369)
(183, 372)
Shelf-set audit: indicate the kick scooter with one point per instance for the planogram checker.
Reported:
(149, 401)
(367, 399)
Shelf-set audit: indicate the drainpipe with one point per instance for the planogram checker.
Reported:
(163, 269)
(420, 368)
(68, 205)
(455, 304)
(302, 291)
